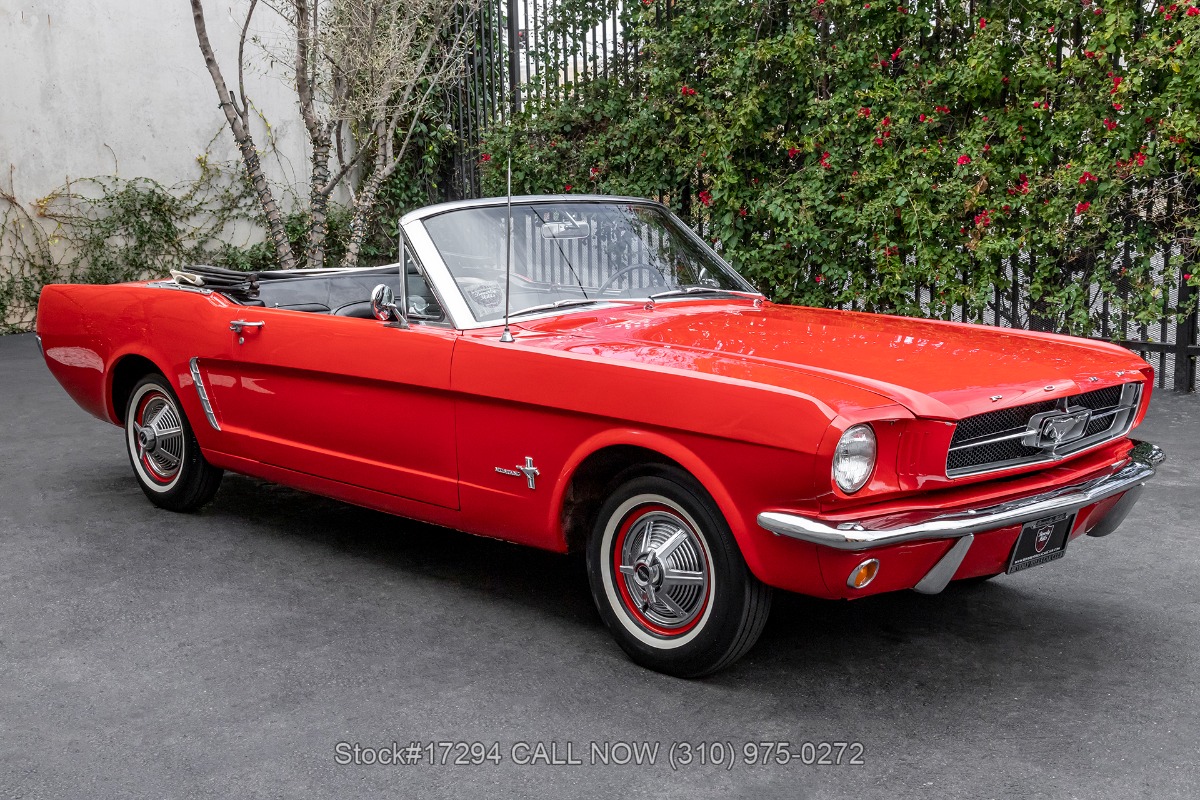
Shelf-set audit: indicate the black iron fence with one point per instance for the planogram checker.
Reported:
(541, 51)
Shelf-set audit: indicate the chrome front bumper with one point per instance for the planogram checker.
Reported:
(856, 536)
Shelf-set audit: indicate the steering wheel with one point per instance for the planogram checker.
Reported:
(656, 278)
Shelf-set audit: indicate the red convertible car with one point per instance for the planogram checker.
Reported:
(642, 404)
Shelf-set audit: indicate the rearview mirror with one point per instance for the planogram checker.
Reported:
(383, 306)
(566, 229)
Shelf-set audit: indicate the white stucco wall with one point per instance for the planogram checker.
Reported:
(118, 87)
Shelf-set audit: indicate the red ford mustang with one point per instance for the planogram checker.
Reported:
(644, 405)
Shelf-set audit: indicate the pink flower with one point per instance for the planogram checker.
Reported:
(825, 160)
(964, 159)
(486, 157)
(793, 152)
(687, 91)
(1140, 158)
(1191, 12)
(878, 141)
(896, 54)
(1089, 54)
(567, 188)
(982, 23)
(864, 112)
(1085, 177)
(819, 278)
(1187, 276)
(1117, 106)
(742, 211)
(1082, 207)
(1108, 123)
(921, 117)
(820, 2)
(706, 198)
(1051, 29)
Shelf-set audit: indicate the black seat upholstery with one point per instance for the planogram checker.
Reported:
(328, 293)
(361, 310)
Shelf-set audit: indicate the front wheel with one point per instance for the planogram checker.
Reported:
(669, 580)
(166, 459)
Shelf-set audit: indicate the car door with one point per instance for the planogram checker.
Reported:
(343, 398)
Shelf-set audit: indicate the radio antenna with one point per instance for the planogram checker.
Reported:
(507, 335)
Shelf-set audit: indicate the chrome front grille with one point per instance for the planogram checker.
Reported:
(1010, 437)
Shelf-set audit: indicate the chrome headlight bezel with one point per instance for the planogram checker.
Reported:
(855, 458)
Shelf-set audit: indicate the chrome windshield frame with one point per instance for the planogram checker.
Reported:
(412, 229)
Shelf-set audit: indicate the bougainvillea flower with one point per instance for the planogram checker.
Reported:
(1082, 207)
(706, 198)
(964, 159)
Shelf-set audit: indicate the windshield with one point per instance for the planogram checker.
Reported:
(573, 253)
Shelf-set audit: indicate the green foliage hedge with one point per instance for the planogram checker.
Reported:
(846, 152)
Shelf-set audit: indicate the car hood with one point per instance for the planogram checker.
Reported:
(935, 369)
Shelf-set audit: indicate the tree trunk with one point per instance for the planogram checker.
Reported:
(319, 202)
(364, 212)
(245, 143)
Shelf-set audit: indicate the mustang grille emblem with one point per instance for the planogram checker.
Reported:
(1058, 427)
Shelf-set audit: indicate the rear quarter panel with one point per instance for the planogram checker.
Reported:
(87, 330)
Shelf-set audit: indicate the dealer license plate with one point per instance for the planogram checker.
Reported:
(1041, 541)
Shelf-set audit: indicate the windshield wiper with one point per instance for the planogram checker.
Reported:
(683, 291)
(573, 301)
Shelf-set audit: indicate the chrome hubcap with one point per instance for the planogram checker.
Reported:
(158, 437)
(664, 568)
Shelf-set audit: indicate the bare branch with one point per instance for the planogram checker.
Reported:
(245, 109)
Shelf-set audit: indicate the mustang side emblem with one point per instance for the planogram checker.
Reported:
(527, 469)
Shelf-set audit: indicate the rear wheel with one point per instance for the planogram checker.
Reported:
(166, 459)
(669, 580)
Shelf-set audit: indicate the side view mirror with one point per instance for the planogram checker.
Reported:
(383, 306)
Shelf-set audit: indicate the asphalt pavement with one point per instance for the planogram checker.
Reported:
(244, 651)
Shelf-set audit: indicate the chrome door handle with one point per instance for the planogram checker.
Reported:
(238, 324)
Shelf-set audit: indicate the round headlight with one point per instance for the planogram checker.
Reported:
(855, 458)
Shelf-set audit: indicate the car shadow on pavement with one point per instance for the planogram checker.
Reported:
(999, 634)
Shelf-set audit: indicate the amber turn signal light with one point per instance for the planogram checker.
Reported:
(863, 574)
